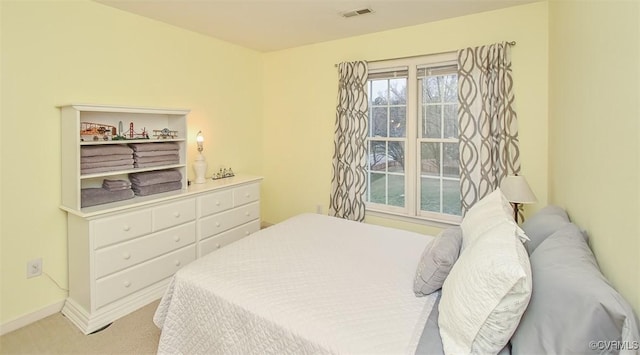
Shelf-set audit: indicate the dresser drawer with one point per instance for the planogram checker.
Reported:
(246, 194)
(221, 222)
(115, 229)
(173, 214)
(228, 237)
(121, 256)
(116, 286)
(215, 202)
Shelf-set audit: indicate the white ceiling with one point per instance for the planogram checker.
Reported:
(268, 25)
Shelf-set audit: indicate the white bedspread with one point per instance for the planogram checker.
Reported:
(311, 284)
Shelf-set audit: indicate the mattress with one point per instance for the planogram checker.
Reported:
(311, 284)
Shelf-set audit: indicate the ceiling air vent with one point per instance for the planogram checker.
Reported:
(359, 12)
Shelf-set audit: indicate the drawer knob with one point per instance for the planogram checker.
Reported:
(176, 214)
(217, 203)
(247, 195)
(217, 246)
(126, 256)
(178, 262)
(176, 238)
(247, 213)
(126, 228)
(247, 232)
(217, 224)
(127, 284)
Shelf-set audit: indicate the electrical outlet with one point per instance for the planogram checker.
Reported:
(34, 267)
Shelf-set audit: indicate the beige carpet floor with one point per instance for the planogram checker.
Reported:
(132, 334)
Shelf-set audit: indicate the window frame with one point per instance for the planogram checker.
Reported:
(411, 211)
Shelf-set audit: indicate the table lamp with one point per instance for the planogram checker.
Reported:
(200, 165)
(516, 189)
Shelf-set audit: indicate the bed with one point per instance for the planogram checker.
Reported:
(311, 284)
(319, 284)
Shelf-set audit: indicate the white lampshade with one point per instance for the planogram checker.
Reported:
(199, 140)
(516, 189)
(200, 164)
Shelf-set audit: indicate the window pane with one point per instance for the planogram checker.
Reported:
(378, 94)
(436, 124)
(430, 90)
(398, 91)
(451, 121)
(430, 195)
(450, 164)
(377, 156)
(431, 121)
(396, 157)
(396, 190)
(450, 83)
(398, 121)
(378, 191)
(378, 122)
(430, 159)
(451, 197)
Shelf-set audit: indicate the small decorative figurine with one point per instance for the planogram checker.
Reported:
(96, 131)
(165, 133)
(223, 173)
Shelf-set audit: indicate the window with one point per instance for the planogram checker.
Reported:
(413, 138)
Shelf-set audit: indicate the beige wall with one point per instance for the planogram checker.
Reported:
(594, 115)
(300, 91)
(56, 53)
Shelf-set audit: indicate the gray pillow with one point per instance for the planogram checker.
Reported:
(542, 224)
(573, 309)
(436, 261)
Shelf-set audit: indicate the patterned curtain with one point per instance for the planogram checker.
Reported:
(488, 123)
(349, 181)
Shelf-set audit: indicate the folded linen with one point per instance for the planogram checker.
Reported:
(156, 163)
(98, 196)
(108, 149)
(154, 153)
(164, 158)
(103, 164)
(115, 185)
(104, 158)
(116, 188)
(156, 188)
(106, 169)
(154, 177)
(146, 147)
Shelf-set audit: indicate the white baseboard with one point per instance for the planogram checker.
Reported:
(32, 317)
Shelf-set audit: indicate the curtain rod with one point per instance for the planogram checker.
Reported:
(511, 43)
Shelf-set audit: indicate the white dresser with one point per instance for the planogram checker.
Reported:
(122, 257)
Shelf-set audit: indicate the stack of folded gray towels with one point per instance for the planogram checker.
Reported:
(111, 191)
(147, 155)
(155, 182)
(105, 158)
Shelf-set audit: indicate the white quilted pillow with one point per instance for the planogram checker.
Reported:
(485, 294)
(490, 211)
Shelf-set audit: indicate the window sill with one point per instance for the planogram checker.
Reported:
(412, 219)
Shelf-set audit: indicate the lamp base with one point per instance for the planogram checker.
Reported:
(516, 208)
(200, 168)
